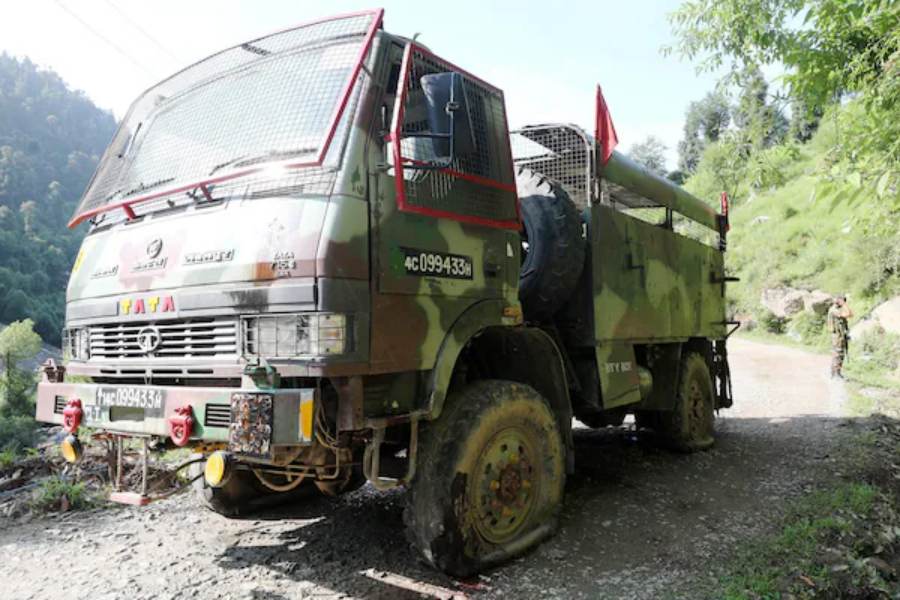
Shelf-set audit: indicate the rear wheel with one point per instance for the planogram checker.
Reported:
(490, 478)
(689, 426)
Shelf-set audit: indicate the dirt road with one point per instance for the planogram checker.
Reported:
(638, 522)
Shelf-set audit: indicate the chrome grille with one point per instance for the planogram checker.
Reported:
(214, 337)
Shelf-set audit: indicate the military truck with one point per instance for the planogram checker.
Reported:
(320, 258)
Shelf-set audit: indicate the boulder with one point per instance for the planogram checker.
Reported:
(864, 326)
(818, 302)
(888, 315)
(783, 301)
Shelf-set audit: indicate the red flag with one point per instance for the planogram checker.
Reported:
(605, 132)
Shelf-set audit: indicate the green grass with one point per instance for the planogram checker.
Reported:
(51, 492)
(771, 567)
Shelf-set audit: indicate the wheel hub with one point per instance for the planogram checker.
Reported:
(504, 484)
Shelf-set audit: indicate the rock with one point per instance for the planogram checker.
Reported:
(783, 301)
(888, 315)
(818, 302)
(865, 326)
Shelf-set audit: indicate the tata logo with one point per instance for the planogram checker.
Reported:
(142, 306)
(149, 339)
(154, 248)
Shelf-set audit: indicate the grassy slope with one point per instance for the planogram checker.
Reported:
(797, 235)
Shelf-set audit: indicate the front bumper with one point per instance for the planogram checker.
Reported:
(216, 411)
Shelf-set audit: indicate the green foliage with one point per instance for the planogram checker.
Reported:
(17, 433)
(769, 568)
(722, 168)
(771, 322)
(761, 124)
(7, 458)
(704, 123)
(56, 493)
(51, 139)
(651, 154)
(810, 327)
(18, 342)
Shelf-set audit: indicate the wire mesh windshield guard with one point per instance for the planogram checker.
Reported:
(478, 186)
(562, 153)
(263, 108)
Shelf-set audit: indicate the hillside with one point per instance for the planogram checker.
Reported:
(801, 225)
(51, 138)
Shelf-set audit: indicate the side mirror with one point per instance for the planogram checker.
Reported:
(449, 120)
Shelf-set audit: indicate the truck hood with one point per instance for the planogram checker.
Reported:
(238, 241)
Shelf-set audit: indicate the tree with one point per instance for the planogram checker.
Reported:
(761, 123)
(828, 46)
(18, 342)
(704, 122)
(651, 154)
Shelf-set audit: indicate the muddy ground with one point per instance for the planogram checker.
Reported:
(639, 522)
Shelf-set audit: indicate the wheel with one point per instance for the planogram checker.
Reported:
(244, 493)
(489, 480)
(553, 247)
(689, 426)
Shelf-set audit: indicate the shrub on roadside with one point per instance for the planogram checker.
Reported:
(17, 433)
(57, 493)
(810, 327)
(771, 322)
(881, 348)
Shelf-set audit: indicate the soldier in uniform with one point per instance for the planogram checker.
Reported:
(838, 316)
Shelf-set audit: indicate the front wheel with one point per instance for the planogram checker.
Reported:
(490, 479)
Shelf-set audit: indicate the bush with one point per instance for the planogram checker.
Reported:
(881, 348)
(810, 327)
(771, 322)
(58, 494)
(17, 433)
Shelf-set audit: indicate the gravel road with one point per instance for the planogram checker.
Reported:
(638, 522)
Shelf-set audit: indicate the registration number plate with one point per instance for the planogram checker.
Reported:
(124, 401)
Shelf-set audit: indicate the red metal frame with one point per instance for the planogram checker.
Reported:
(203, 184)
(399, 160)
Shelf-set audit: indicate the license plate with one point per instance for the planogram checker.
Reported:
(111, 400)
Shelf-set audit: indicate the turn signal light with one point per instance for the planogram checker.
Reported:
(71, 449)
(218, 469)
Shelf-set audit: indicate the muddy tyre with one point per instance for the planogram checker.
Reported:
(489, 480)
(553, 246)
(690, 425)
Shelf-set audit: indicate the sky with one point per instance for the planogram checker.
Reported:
(546, 57)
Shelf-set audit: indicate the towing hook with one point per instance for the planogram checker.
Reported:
(181, 425)
(72, 415)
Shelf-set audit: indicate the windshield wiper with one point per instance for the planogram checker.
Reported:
(244, 161)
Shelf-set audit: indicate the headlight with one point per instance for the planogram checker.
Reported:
(77, 344)
(295, 335)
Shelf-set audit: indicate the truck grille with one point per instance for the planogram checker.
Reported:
(213, 337)
(217, 415)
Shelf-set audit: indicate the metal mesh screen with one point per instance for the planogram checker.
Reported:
(561, 153)
(275, 99)
(479, 185)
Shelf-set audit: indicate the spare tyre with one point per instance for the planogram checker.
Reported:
(552, 245)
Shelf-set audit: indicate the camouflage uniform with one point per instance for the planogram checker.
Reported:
(840, 336)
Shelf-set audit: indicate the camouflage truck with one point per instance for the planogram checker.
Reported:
(320, 258)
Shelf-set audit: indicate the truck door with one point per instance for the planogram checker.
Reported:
(444, 228)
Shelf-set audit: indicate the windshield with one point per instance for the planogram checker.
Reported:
(278, 98)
